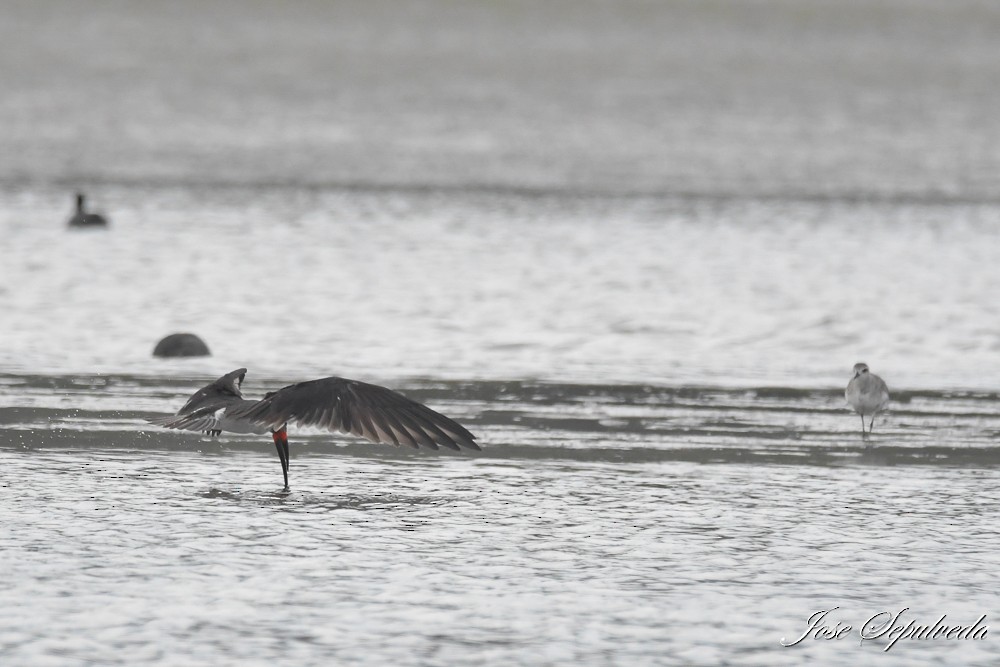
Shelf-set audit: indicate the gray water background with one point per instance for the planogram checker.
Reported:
(635, 247)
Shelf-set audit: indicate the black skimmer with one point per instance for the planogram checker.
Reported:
(83, 219)
(337, 404)
(867, 393)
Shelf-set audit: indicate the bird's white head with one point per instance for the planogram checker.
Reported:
(860, 369)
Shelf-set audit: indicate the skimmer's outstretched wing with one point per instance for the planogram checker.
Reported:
(367, 410)
(207, 408)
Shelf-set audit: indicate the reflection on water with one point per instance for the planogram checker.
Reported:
(310, 502)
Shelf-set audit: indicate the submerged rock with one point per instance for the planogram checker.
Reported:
(181, 345)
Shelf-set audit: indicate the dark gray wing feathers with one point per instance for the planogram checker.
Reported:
(222, 392)
(366, 410)
(199, 420)
(336, 404)
(200, 411)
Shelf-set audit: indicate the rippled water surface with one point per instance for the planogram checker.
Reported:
(601, 524)
(635, 247)
(194, 557)
(374, 284)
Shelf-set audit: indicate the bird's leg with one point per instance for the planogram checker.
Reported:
(872, 424)
(281, 444)
(862, 425)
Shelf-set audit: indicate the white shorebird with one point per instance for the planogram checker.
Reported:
(867, 394)
(337, 404)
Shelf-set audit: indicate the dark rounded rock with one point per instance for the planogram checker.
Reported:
(181, 345)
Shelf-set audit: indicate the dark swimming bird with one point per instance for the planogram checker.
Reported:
(337, 404)
(867, 393)
(83, 219)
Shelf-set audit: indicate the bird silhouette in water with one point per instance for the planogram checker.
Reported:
(83, 219)
(337, 404)
(867, 394)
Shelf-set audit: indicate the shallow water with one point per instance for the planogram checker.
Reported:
(635, 247)
(117, 557)
(300, 283)
(601, 524)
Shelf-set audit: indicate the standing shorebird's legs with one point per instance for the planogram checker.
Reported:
(866, 393)
(281, 444)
